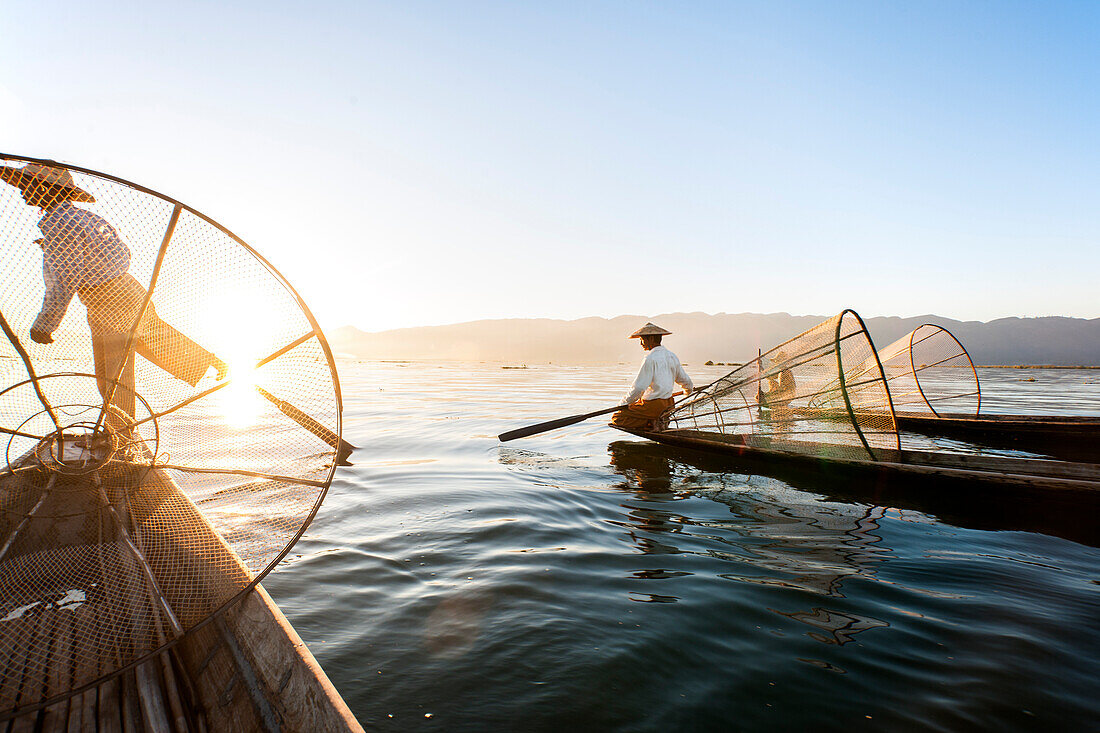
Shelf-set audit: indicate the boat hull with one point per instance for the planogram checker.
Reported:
(1016, 473)
(1069, 437)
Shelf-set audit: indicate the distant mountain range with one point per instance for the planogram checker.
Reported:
(699, 337)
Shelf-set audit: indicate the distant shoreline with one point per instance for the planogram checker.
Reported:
(958, 366)
(1033, 366)
(722, 338)
(508, 364)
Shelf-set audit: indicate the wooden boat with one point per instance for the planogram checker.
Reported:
(760, 452)
(141, 502)
(1066, 436)
(837, 415)
(240, 668)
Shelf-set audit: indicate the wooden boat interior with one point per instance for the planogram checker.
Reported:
(103, 573)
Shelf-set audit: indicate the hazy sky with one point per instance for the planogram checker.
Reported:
(411, 163)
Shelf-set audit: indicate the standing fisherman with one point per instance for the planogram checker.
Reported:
(654, 384)
(83, 255)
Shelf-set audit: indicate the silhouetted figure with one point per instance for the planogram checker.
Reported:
(83, 255)
(781, 389)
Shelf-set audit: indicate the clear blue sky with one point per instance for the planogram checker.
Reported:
(412, 163)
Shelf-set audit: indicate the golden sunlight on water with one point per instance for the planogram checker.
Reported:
(239, 403)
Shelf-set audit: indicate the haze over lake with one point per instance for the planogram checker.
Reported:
(700, 337)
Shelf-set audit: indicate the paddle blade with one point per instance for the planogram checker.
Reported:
(343, 447)
(542, 427)
(561, 422)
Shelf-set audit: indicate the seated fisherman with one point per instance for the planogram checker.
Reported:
(780, 390)
(651, 394)
(83, 255)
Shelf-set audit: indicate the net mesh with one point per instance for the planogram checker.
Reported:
(171, 419)
(809, 395)
(929, 371)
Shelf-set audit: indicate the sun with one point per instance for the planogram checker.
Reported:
(240, 346)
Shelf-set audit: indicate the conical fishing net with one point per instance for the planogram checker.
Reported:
(929, 371)
(811, 394)
(170, 413)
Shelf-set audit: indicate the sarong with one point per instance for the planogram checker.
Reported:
(113, 308)
(641, 415)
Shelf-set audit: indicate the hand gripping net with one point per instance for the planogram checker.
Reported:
(810, 394)
(142, 495)
(929, 371)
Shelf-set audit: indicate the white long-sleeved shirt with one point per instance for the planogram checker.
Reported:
(660, 371)
(79, 250)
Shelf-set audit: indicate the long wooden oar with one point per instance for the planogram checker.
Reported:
(561, 422)
(343, 447)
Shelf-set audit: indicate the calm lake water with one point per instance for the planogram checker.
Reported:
(586, 579)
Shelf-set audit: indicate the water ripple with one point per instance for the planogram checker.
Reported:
(579, 580)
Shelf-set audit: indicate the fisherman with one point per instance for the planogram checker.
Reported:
(781, 389)
(651, 394)
(83, 255)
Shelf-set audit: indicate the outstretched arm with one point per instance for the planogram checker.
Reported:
(54, 305)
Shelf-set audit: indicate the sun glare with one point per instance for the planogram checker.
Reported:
(239, 346)
(241, 404)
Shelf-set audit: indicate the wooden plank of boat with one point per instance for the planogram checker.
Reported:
(109, 712)
(1074, 436)
(9, 658)
(55, 717)
(131, 706)
(1022, 473)
(1059, 434)
(33, 673)
(282, 682)
(246, 670)
(84, 705)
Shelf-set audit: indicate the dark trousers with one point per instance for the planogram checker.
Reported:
(642, 414)
(112, 310)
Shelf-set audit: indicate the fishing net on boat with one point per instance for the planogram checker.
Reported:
(928, 370)
(808, 395)
(170, 412)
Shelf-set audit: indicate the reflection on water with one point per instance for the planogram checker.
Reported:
(453, 626)
(799, 546)
(835, 627)
(580, 580)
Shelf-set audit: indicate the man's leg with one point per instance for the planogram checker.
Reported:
(115, 305)
(108, 351)
(172, 351)
(641, 415)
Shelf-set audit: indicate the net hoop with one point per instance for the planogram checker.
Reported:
(313, 346)
(45, 452)
(929, 368)
(844, 384)
(820, 392)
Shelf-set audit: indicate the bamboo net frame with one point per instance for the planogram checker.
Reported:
(810, 394)
(929, 371)
(158, 379)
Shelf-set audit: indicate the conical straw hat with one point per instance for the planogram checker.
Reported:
(650, 329)
(34, 173)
